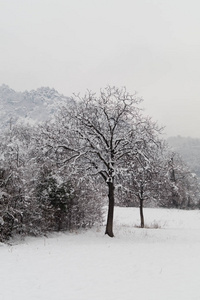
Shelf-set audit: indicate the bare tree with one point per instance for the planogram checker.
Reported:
(103, 132)
(144, 171)
(185, 189)
(146, 177)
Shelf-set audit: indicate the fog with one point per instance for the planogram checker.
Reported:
(151, 46)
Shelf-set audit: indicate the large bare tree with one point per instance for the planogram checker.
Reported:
(102, 133)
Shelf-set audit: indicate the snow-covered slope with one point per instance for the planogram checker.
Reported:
(34, 106)
(145, 264)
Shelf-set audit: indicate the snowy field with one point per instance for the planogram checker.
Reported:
(143, 264)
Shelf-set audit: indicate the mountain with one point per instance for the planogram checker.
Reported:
(189, 149)
(30, 107)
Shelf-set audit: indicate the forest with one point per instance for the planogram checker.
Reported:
(96, 150)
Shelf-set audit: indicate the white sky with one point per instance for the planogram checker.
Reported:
(151, 46)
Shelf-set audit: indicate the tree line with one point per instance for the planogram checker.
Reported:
(98, 149)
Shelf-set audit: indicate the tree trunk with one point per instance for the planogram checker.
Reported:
(141, 213)
(109, 225)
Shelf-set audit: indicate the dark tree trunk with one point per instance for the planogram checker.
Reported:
(141, 200)
(109, 225)
(141, 213)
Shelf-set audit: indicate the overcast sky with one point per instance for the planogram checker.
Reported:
(151, 46)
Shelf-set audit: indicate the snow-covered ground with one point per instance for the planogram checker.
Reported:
(150, 264)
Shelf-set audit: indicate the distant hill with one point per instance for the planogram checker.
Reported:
(30, 107)
(189, 149)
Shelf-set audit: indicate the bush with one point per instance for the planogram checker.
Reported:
(54, 206)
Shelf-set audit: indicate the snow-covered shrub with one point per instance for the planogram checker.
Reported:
(67, 205)
(11, 204)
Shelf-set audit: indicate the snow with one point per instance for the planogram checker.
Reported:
(147, 263)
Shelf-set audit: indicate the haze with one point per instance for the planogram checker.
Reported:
(151, 46)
